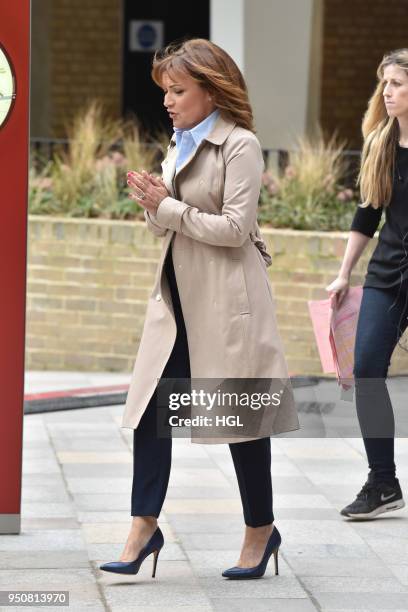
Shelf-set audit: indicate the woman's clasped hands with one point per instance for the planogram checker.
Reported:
(149, 190)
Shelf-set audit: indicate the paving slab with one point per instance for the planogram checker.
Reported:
(262, 605)
(271, 587)
(81, 584)
(352, 584)
(44, 540)
(372, 602)
(76, 515)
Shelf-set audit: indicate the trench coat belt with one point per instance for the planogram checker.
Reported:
(261, 246)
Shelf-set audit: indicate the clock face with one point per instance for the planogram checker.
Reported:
(7, 87)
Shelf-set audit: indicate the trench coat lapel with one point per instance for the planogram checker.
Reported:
(218, 135)
(220, 132)
(169, 167)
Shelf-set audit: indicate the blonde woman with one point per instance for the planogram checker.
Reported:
(211, 312)
(384, 309)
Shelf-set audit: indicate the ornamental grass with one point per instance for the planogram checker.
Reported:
(310, 193)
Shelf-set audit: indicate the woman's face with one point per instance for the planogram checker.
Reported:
(186, 101)
(395, 91)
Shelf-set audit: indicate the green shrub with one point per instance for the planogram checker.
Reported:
(89, 179)
(309, 194)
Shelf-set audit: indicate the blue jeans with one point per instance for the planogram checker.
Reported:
(381, 322)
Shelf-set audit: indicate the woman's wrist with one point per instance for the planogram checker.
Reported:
(345, 274)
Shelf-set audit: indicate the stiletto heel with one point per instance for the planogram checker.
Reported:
(244, 573)
(275, 554)
(156, 556)
(154, 545)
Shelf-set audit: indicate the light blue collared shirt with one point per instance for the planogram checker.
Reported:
(187, 141)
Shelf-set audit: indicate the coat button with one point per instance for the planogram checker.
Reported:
(158, 297)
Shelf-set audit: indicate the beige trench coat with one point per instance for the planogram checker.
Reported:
(220, 261)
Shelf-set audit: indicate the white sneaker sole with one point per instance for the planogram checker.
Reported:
(390, 507)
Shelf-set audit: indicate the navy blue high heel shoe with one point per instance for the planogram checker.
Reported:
(154, 545)
(244, 573)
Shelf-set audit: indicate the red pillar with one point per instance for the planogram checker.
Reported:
(14, 147)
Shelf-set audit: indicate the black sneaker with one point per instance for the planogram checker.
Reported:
(375, 498)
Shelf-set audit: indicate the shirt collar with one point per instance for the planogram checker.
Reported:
(199, 131)
(221, 130)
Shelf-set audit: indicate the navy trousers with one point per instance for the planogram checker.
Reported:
(381, 322)
(152, 454)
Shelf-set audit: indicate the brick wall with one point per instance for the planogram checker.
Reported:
(356, 35)
(88, 282)
(86, 57)
(85, 52)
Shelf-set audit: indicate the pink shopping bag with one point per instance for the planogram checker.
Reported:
(335, 332)
(320, 312)
(343, 326)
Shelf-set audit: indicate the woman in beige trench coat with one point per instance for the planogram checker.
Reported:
(211, 312)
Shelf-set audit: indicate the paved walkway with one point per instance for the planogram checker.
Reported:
(75, 515)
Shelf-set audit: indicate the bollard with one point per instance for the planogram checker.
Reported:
(14, 156)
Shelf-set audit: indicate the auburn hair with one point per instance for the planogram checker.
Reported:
(381, 134)
(214, 70)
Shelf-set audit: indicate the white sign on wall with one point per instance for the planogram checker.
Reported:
(146, 36)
